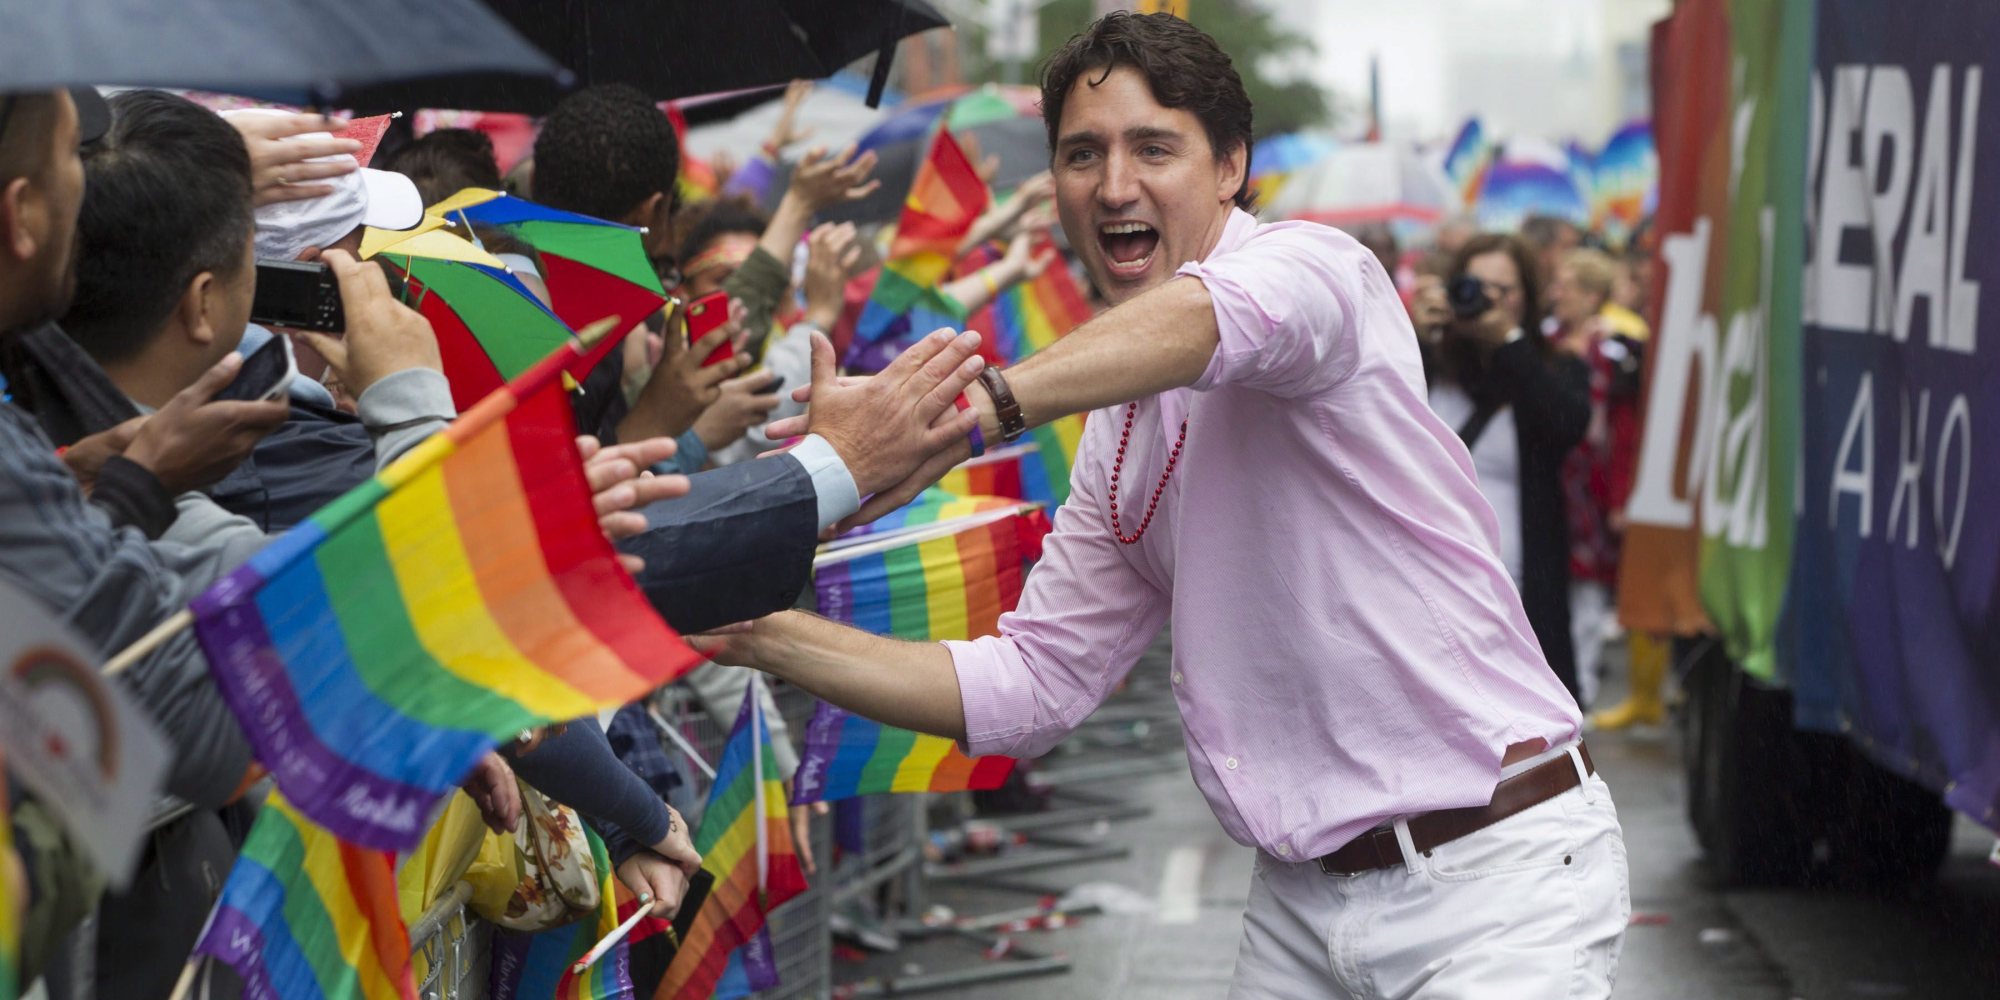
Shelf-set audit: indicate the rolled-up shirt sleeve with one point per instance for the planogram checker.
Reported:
(1283, 303)
(1085, 616)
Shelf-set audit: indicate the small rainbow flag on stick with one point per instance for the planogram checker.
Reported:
(952, 580)
(531, 966)
(745, 840)
(846, 755)
(374, 653)
(304, 915)
(945, 200)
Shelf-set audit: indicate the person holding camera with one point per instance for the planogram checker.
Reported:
(1520, 406)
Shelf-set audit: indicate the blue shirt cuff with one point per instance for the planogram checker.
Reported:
(833, 485)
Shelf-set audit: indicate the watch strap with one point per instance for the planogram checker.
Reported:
(1005, 408)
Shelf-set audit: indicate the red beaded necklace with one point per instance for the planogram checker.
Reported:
(1118, 465)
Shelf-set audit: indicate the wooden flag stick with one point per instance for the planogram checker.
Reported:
(147, 643)
(186, 981)
(617, 934)
(588, 337)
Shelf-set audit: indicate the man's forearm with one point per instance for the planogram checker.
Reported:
(1158, 341)
(910, 685)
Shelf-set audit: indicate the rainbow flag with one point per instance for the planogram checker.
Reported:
(532, 966)
(952, 580)
(1024, 319)
(943, 502)
(10, 921)
(306, 915)
(1467, 160)
(905, 303)
(745, 840)
(846, 755)
(378, 650)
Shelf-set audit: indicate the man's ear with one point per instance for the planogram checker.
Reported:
(197, 299)
(1232, 168)
(15, 234)
(654, 215)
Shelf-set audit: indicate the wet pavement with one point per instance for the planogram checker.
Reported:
(1179, 887)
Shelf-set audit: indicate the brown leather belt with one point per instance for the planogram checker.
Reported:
(1379, 849)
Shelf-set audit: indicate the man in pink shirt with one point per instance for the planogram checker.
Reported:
(1363, 699)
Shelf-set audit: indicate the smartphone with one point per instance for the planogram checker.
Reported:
(300, 295)
(265, 374)
(704, 315)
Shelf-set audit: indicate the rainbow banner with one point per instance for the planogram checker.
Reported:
(745, 840)
(952, 580)
(378, 650)
(939, 503)
(906, 303)
(846, 755)
(305, 915)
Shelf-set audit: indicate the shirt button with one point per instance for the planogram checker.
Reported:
(1177, 677)
(1230, 763)
(1285, 850)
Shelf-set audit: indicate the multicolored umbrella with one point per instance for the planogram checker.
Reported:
(489, 326)
(593, 268)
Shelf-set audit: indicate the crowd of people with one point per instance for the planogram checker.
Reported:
(132, 230)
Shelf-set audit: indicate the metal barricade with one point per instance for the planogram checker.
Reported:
(452, 948)
(801, 942)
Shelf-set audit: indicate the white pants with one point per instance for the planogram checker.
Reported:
(1533, 907)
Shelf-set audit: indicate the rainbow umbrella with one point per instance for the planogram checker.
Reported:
(593, 268)
(490, 327)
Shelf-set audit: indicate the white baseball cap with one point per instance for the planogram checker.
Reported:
(378, 198)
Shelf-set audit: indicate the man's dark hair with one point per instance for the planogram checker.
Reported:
(603, 151)
(166, 197)
(1183, 66)
(701, 224)
(446, 162)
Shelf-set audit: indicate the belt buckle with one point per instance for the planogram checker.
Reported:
(1384, 859)
(1329, 871)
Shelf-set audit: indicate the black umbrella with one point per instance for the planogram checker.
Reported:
(682, 48)
(306, 52)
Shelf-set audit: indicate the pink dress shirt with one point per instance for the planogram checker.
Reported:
(1348, 647)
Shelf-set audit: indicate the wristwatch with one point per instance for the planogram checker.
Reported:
(1012, 424)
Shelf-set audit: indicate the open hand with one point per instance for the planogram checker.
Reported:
(885, 426)
(282, 166)
(833, 253)
(821, 181)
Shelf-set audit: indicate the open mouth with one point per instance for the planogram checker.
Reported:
(1128, 246)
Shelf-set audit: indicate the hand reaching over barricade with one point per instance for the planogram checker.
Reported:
(889, 426)
(621, 483)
